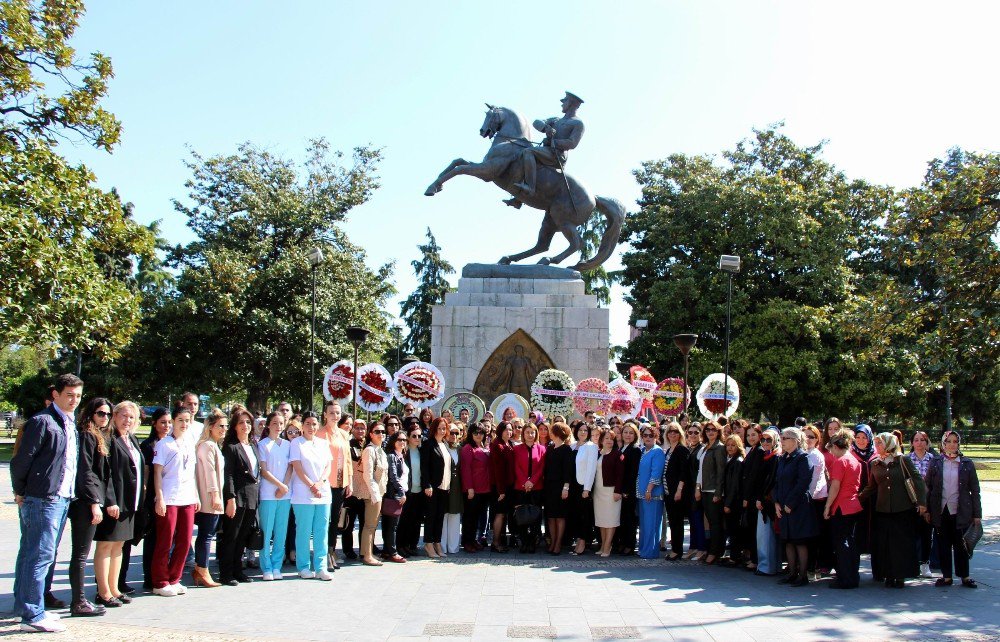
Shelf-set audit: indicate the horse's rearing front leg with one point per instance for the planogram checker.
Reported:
(438, 183)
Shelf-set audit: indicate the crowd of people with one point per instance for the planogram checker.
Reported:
(802, 503)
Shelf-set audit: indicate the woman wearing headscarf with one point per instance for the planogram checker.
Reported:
(955, 504)
(762, 485)
(922, 455)
(894, 527)
(864, 450)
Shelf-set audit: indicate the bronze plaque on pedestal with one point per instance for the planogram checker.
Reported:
(512, 367)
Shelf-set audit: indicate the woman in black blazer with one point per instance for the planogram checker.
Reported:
(698, 545)
(123, 496)
(240, 493)
(435, 480)
(676, 490)
(625, 536)
(85, 511)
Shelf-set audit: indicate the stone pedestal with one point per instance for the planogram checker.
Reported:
(475, 338)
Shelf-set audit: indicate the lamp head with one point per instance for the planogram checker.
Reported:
(729, 263)
(357, 335)
(685, 342)
(315, 257)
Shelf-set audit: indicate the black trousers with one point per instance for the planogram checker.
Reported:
(925, 534)
(336, 501)
(846, 554)
(733, 531)
(437, 506)
(625, 535)
(583, 516)
(126, 560)
(408, 532)
(949, 542)
(676, 512)
(716, 524)
(389, 526)
(355, 512)
(820, 549)
(82, 534)
(233, 540)
(148, 546)
(528, 535)
(475, 510)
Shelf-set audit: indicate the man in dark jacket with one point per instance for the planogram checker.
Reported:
(43, 475)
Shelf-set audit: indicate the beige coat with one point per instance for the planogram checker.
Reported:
(340, 447)
(375, 467)
(209, 469)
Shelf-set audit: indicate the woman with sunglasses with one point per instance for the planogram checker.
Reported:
(85, 511)
(793, 509)
(732, 499)
(397, 483)
(761, 488)
(698, 545)
(649, 489)
(676, 491)
(477, 478)
(375, 473)
(711, 473)
(408, 530)
(275, 502)
(820, 548)
(355, 504)
(451, 533)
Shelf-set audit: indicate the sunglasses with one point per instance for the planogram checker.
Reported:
(766, 440)
(711, 430)
(378, 432)
(294, 431)
(415, 435)
(456, 432)
(101, 413)
(647, 434)
(393, 423)
(693, 432)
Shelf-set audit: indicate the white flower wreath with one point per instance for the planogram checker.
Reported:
(552, 393)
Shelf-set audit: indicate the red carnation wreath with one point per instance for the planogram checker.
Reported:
(338, 384)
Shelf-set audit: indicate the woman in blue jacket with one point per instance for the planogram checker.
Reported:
(649, 490)
(796, 519)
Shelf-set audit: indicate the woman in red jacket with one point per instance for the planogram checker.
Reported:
(502, 463)
(529, 471)
(477, 482)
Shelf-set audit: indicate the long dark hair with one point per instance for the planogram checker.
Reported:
(234, 418)
(86, 423)
(477, 427)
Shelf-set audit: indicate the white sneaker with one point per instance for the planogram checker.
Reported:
(166, 591)
(276, 575)
(925, 570)
(267, 577)
(326, 576)
(47, 624)
(180, 588)
(306, 574)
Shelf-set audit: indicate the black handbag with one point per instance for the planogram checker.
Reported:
(527, 515)
(255, 540)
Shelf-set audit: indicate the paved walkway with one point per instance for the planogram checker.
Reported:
(484, 597)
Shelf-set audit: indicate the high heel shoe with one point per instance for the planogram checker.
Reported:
(202, 577)
(431, 553)
(439, 551)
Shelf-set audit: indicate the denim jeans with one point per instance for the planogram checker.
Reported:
(42, 523)
(206, 523)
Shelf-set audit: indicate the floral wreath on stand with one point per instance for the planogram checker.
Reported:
(643, 381)
(592, 395)
(716, 399)
(668, 398)
(626, 402)
(338, 383)
(374, 388)
(419, 383)
(552, 393)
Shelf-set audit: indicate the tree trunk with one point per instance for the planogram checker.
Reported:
(259, 388)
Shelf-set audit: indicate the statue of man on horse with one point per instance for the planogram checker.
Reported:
(512, 164)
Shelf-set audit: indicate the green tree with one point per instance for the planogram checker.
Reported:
(597, 281)
(244, 292)
(431, 271)
(55, 285)
(801, 228)
(938, 300)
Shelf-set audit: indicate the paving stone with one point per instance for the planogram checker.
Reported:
(449, 629)
(615, 633)
(531, 632)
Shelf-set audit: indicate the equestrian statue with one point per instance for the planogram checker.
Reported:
(534, 175)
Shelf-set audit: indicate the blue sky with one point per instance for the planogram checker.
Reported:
(890, 85)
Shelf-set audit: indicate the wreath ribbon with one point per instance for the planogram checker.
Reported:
(341, 378)
(375, 391)
(645, 385)
(718, 395)
(673, 394)
(418, 384)
(553, 393)
(584, 394)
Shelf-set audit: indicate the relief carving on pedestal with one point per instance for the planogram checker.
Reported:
(512, 367)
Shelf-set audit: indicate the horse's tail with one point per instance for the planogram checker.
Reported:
(614, 212)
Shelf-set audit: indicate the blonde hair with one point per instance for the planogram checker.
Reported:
(213, 418)
(734, 438)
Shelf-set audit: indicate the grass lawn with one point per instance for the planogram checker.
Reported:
(6, 452)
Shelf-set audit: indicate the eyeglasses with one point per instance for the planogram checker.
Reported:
(693, 432)
(293, 431)
(647, 434)
(456, 432)
(101, 413)
(810, 436)
(378, 432)
(711, 430)
(766, 440)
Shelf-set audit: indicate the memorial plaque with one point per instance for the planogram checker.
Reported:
(512, 367)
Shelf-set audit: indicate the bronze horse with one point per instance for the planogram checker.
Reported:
(565, 209)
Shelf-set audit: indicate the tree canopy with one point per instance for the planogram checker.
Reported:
(431, 271)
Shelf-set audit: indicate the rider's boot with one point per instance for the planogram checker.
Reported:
(514, 202)
(528, 184)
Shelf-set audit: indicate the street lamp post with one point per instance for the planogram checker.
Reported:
(731, 265)
(315, 259)
(398, 324)
(356, 336)
(684, 343)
